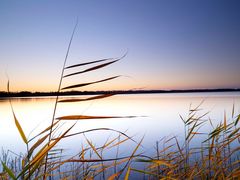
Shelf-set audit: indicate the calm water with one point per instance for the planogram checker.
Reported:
(158, 117)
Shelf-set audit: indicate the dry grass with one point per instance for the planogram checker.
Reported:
(217, 157)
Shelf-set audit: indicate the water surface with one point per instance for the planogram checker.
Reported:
(157, 117)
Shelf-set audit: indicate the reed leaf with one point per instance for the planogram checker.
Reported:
(9, 171)
(20, 130)
(45, 130)
(86, 99)
(237, 120)
(127, 173)
(26, 168)
(233, 132)
(84, 117)
(93, 147)
(49, 147)
(87, 63)
(38, 143)
(107, 143)
(86, 84)
(35, 167)
(132, 155)
(118, 143)
(116, 175)
(91, 69)
(225, 121)
(233, 110)
(96, 160)
(191, 130)
(155, 161)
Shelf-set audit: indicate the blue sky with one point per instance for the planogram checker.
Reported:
(171, 44)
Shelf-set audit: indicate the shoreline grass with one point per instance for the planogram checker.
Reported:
(216, 157)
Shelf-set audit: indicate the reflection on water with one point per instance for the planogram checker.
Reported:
(158, 116)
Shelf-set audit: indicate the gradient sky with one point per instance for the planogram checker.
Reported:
(171, 44)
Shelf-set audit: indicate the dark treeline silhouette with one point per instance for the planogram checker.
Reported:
(72, 93)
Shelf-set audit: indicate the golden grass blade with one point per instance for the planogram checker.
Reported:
(113, 176)
(109, 166)
(132, 155)
(86, 99)
(91, 69)
(90, 62)
(86, 84)
(20, 130)
(110, 142)
(197, 133)
(225, 121)
(82, 155)
(9, 171)
(83, 117)
(26, 168)
(56, 167)
(211, 149)
(92, 146)
(233, 110)
(35, 167)
(235, 174)
(127, 173)
(118, 143)
(45, 130)
(156, 161)
(48, 128)
(38, 143)
(48, 148)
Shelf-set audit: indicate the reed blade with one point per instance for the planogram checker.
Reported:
(86, 84)
(93, 147)
(237, 120)
(127, 173)
(45, 151)
(38, 143)
(20, 130)
(91, 69)
(114, 176)
(86, 99)
(83, 117)
(155, 161)
(86, 63)
(9, 171)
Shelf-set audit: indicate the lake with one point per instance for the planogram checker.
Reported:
(157, 116)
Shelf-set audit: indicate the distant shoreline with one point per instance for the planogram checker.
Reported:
(73, 93)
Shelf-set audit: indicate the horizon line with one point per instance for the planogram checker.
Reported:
(63, 93)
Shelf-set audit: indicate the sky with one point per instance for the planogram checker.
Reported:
(171, 44)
